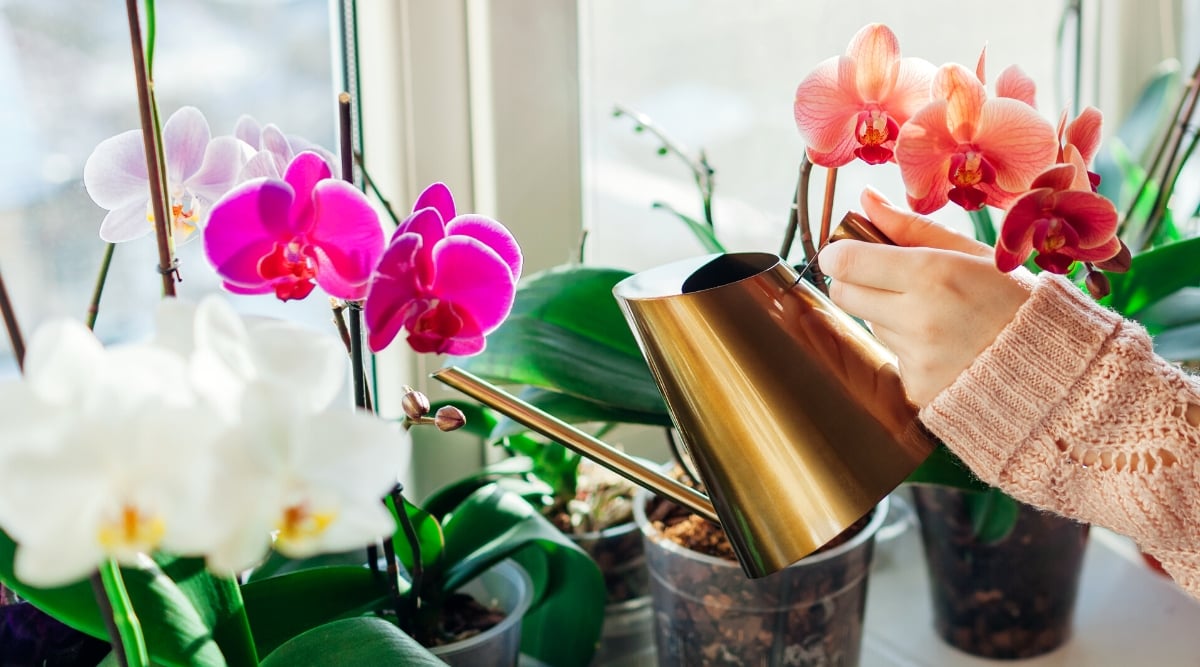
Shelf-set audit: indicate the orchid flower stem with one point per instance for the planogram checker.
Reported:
(339, 322)
(370, 183)
(152, 145)
(129, 646)
(1175, 137)
(702, 172)
(11, 325)
(356, 356)
(414, 544)
(827, 206)
(798, 216)
(93, 310)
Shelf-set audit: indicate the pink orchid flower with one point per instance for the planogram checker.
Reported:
(199, 170)
(1062, 219)
(273, 150)
(285, 236)
(448, 279)
(854, 105)
(969, 149)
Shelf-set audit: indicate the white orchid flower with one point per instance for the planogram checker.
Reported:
(314, 480)
(199, 170)
(103, 454)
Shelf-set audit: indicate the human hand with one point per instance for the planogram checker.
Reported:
(936, 299)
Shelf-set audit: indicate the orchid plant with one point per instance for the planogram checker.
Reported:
(228, 505)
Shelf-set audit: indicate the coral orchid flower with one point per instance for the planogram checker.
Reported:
(966, 148)
(854, 105)
(1062, 219)
(199, 170)
(448, 279)
(1081, 137)
(285, 236)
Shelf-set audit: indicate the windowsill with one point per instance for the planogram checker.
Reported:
(1125, 614)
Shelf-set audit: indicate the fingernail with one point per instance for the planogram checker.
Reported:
(874, 195)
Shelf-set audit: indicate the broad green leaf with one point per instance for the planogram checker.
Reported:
(219, 602)
(283, 607)
(1154, 275)
(443, 500)
(277, 564)
(1180, 343)
(1140, 127)
(429, 536)
(704, 232)
(566, 333)
(574, 410)
(352, 642)
(993, 515)
(178, 634)
(563, 625)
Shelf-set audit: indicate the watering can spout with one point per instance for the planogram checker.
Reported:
(794, 415)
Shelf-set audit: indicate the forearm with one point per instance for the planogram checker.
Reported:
(1070, 410)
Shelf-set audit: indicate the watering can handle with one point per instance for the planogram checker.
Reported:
(563, 433)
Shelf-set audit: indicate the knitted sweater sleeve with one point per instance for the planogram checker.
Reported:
(1070, 410)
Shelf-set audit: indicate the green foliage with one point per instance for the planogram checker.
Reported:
(352, 642)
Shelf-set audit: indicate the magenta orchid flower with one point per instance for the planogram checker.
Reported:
(199, 170)
(448, 279)
(969, 149)
(273, 150)
(1062, 219)
(854, 105)
(286, 236)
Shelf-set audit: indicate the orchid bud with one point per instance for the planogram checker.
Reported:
(449, 418)
(415, 404)
(1098, 284)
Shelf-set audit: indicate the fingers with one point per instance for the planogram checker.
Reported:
(870, 304)
(886, 267)
(910, 229)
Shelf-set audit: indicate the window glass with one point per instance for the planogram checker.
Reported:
(722, 77)
(66, 83)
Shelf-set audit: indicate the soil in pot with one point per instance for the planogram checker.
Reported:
(600, 520)
(1010, 599)
(499, 596)
(708, 613)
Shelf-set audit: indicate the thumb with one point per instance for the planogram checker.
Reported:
(910, 229)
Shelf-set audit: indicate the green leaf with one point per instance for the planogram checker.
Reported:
(993, 515)
(1141, 126)
(443, 500)
(566, 333)
(178, 635)
(282, 607)
(429, 536)
(219, 602)
(943, 468)
(985, 229)
(563, 625)
(1154, 275)
(703, 231)
(352, 642)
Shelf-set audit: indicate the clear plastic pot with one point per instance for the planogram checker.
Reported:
(507, 587)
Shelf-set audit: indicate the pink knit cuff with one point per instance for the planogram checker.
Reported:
(992, 408)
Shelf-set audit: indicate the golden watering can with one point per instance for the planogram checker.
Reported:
(793, 414)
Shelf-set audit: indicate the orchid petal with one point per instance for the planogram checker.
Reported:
(263, 164)
(303, 174)
(436, 196)
(474, 278)
(1084, 133)
(492, 234)
(1015, 84)
(825, 110)
(245, 226)
(185, 136)
(923, 152)
(1080, 180)
(312, 367)
(1017, 141)
(61, 356)
(431, 227)
(981, 66)
(346, 229)
(1057, 177)
(248, 130)
(393, 288)
(223, 160)
(126, 223)
(276, 143)
(1091, 215)
(876, 53)
(965, 98)
(115, 173)
(911, 90)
